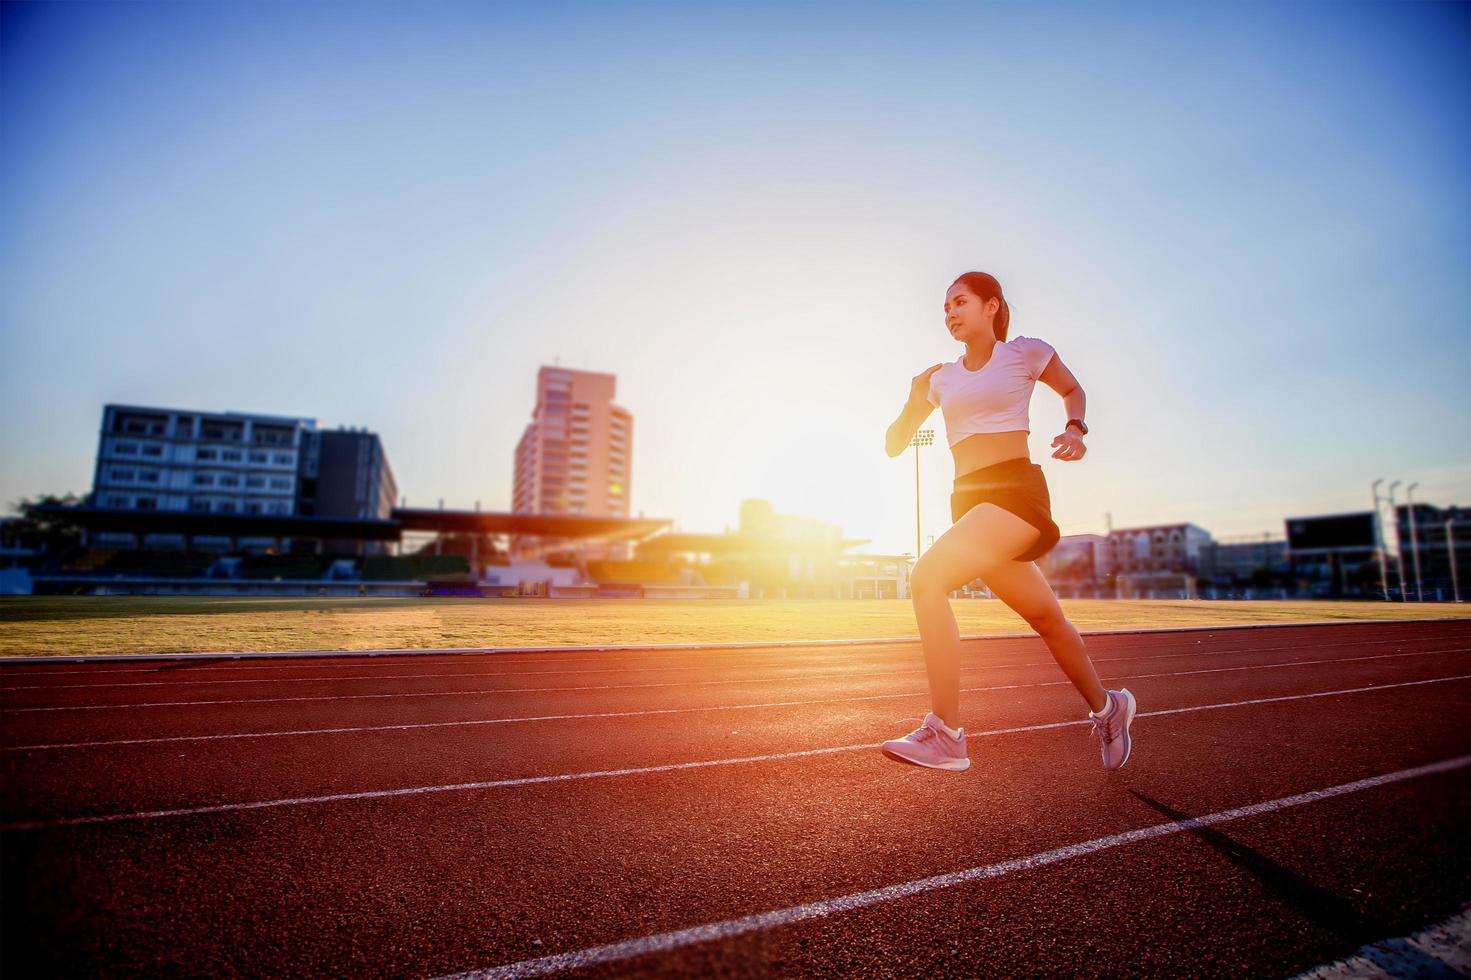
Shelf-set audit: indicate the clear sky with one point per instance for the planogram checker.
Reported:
(1245, 228)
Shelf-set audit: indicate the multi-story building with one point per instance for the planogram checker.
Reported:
(151, 458)
(213, 462)
(575, 457)
(1171, 548)
(1077, 560)
(345, 473)
(1230, 562)
(1426, 545)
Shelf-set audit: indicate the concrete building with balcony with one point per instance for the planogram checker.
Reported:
(237, 464)
(1170, 548)
(167, 459)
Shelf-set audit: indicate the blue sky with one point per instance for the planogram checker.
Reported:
(1243, 227)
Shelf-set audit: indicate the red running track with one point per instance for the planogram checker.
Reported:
(727, 813)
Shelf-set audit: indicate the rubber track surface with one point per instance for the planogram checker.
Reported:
(433, 816)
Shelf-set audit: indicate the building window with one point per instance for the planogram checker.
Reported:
(152, 450)
(206, 454)
(125, 448)
(279, 484)
(118, 500)
(229, 481)
(231, 455)
(204, 479)
(148, 476)
(255, 481)
(147, 503)
(257, 457)
(283, 458)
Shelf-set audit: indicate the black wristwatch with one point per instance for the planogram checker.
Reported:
(1079, 423)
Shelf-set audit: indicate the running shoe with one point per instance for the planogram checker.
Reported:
(928, 745)
(1112, 728)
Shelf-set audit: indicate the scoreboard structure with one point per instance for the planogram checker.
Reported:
(1338, 551)
(1332, 533)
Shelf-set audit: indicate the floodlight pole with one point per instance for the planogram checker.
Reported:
(1399, 551)
(1415, 542)
(923, 437)
(1379, 539)
(1450, 551)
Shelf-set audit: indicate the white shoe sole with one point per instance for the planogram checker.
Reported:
(953, 765)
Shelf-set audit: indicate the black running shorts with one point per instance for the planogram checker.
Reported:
(1015, 485)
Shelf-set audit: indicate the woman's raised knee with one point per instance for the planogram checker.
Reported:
(923, 580)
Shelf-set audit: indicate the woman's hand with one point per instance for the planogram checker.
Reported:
(1070, 445)
(919, 388)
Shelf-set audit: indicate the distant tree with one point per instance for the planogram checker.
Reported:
(39, 530)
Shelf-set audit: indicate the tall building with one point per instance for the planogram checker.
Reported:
(574, 457)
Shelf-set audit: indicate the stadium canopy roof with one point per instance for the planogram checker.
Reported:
(728, 544)
(533, 525)
(350, 528)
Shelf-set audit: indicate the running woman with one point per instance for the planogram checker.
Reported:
(1000, 514)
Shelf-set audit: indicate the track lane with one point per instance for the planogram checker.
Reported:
(168, 776)
(421, 696)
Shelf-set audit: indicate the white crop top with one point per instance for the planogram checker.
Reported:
(995, 398)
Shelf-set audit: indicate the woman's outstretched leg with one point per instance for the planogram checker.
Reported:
(1022, 586)
(983, 538)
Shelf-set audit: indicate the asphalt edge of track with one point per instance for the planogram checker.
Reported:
(740, 645)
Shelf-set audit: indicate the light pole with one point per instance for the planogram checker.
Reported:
(1450, 551)
(923, 437)
(1415, 541)
(1379, 539)
(1399, 555)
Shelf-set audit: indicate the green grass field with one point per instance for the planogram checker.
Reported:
(92, 625)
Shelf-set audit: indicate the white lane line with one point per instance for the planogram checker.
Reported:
(18, 664)
(677, 711)
(584, 687)
(845, 669)
(664, 942)
(642, 770)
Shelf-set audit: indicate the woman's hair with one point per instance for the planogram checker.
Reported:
(986, 287)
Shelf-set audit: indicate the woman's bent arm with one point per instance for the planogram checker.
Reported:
(1075, 402)
(896, 440)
